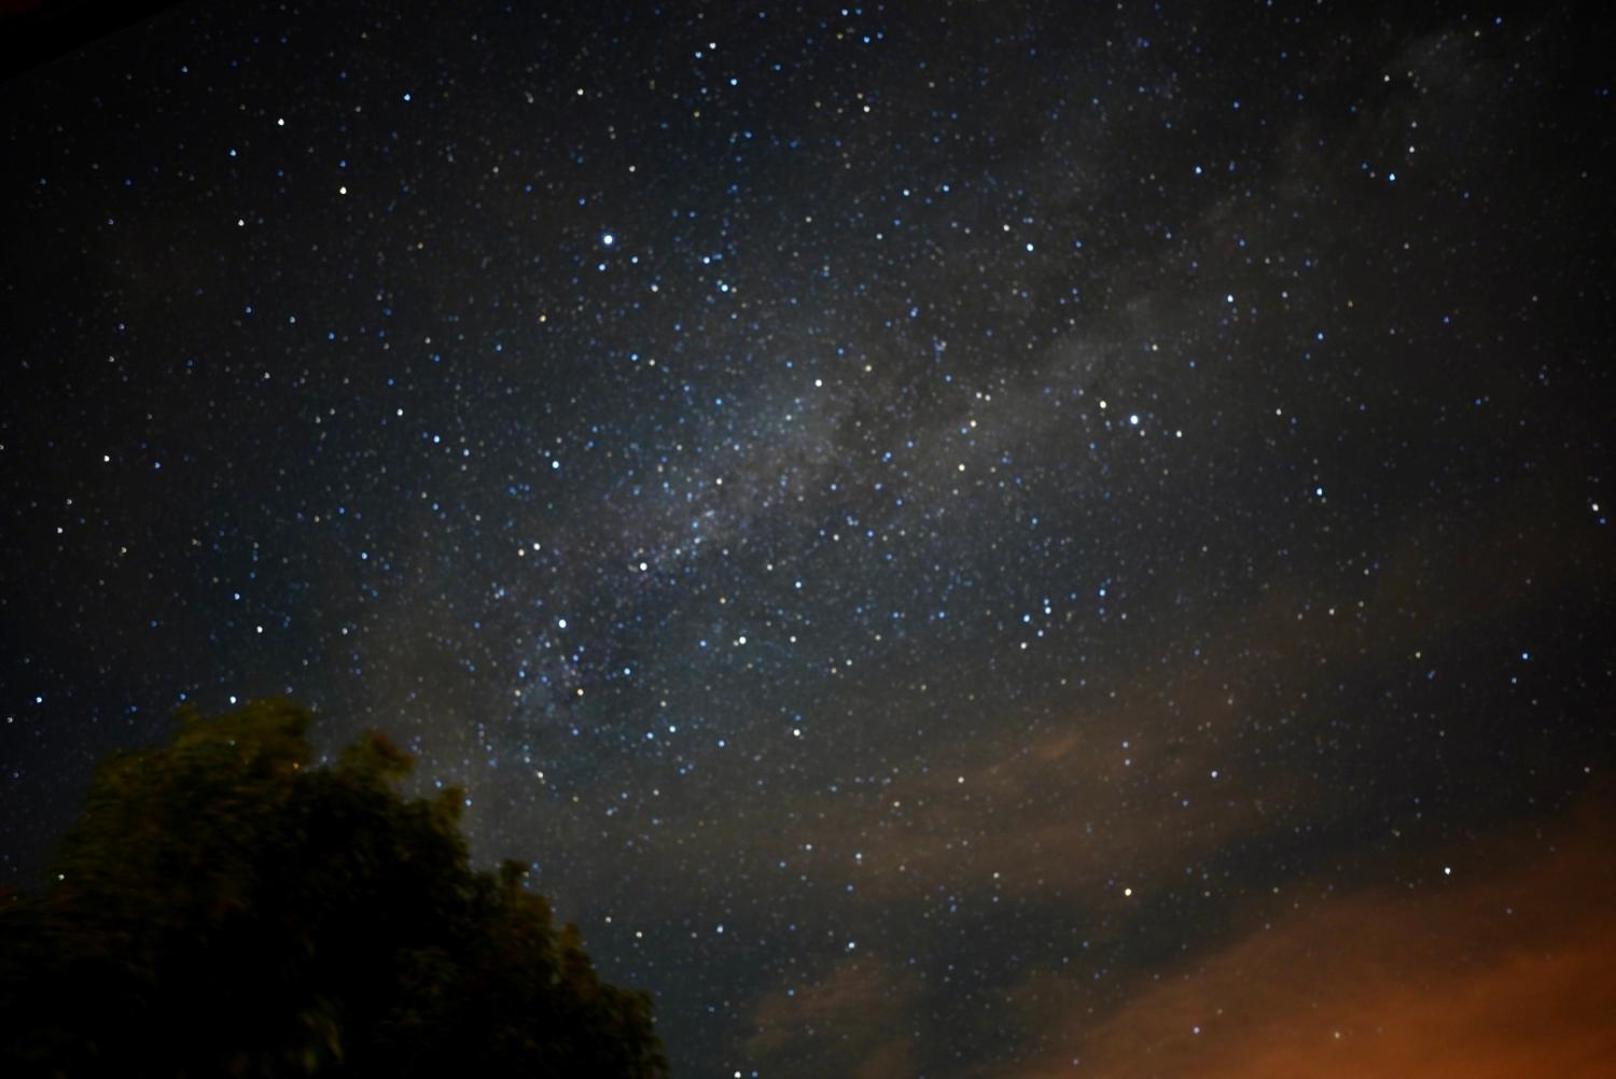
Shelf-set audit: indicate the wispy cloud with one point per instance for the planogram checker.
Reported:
(1499, 969)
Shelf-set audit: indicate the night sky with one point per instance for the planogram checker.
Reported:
(959, 539)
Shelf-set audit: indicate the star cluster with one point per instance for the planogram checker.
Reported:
(949, 534)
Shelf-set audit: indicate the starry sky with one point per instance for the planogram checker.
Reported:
(959, 539)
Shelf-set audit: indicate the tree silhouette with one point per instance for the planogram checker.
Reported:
(223, 908)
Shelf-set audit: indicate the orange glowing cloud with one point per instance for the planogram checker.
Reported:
(1502, 969)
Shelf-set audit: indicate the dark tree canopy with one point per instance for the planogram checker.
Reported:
(223, 908)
